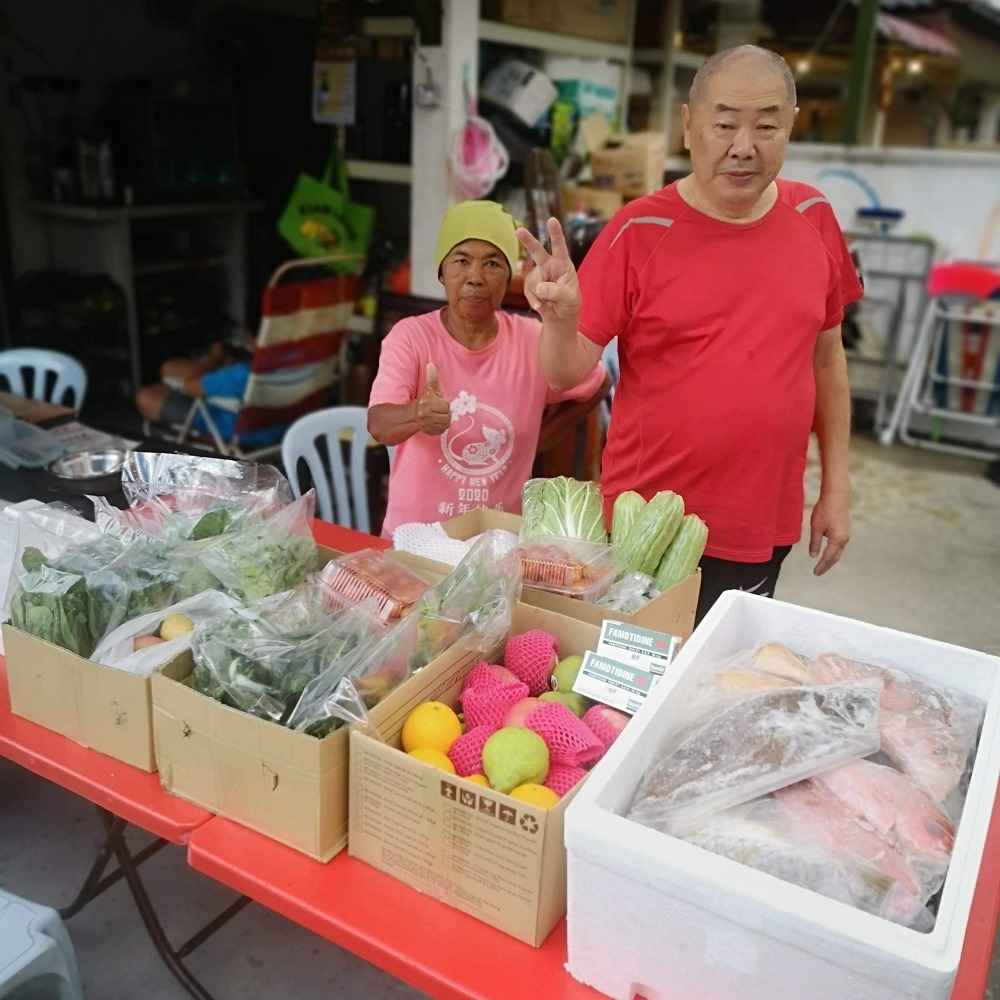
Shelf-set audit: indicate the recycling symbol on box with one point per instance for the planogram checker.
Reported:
(529, 824)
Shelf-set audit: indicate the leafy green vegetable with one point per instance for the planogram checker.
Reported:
(627, 508)
(209, 525)
(562, 508)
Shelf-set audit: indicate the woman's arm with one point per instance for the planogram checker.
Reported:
(559, 419)
(430, 413)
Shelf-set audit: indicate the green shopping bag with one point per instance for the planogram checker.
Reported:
(321, 219)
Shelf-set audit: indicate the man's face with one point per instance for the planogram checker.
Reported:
(475, 276)
(737, 133)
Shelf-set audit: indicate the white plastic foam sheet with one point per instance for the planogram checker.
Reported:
(652, 915)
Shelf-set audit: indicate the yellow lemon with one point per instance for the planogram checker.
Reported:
(478, 779)
(432, 725)
(535, 795)
(435, 758)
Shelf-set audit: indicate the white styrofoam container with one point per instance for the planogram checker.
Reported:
(654, 916)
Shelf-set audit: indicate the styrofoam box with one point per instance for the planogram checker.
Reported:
(654, 916)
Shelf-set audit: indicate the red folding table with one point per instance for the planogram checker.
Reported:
(427, 944)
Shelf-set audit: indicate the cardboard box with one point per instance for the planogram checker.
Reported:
(280, 782)
(489, 855)
(601, 20)
(603, 202)
(634, 167)
(100, 707)
(655, 915)
(672, 612)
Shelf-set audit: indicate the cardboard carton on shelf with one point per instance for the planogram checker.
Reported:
(494, 857)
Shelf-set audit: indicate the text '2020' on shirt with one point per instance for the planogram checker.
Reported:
(717, 326)
(497, 395)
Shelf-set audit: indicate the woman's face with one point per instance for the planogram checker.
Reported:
(475, 275)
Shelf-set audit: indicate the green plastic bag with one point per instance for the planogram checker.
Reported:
(320, 219)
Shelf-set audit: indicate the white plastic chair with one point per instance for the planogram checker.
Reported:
(333, 426)
(36, 955)
(70, 374)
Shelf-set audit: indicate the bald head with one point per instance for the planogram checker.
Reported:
(746, 58)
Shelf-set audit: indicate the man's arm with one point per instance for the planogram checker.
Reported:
(566, 356)
(831, 517)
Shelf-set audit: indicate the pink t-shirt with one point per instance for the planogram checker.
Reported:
(498, 395)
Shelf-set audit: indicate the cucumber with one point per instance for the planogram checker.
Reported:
(627, 508)
(651, 532)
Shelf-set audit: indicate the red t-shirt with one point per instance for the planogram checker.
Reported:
(717, 326)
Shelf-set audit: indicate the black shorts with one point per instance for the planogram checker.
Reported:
(720, 575)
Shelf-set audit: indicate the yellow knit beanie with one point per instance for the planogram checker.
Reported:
(478, 220)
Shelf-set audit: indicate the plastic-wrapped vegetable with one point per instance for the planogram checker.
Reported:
(268, 555)
(629, 594)
(562, 508)
(652, 531)
(472, 605)
(72, 584)
(627, 508)
(260, 659)
(685, 552)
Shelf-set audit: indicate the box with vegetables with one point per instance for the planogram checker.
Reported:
(645, 571)
(254, 727)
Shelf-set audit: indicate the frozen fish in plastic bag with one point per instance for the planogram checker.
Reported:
(753, 746)
(799, 842)
(928, 731)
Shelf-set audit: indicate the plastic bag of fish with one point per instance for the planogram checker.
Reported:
(843, 777)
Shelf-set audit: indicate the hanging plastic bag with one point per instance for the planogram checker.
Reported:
(121, 650)
(268, 555)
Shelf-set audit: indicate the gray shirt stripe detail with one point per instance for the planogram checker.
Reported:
(651, 220)
(809, 202)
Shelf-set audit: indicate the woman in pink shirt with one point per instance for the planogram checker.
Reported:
(460, 391)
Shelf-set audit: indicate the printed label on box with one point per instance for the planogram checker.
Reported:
(637, 646)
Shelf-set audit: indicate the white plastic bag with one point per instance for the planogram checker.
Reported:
(117, 649)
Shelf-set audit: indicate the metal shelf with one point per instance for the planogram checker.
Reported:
(548, 41)
(386, 173)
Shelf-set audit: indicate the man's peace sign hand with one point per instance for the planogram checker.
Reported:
(551, 285)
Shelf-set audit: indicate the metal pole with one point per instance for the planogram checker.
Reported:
(862, 50)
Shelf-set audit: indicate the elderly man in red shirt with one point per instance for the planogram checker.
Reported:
(726, 292)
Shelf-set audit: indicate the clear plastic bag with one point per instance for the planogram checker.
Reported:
(629, 594)
(372, 575)
(190, 498)
(118, 649)
(749, 746)
(473, 605)
(268, 555)
(800, 842)
(48, 595)
(584, 570)
(260, 659)
(928, 732)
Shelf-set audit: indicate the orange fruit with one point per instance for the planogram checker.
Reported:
(431, 726)
(535, 795)
(478, 779)
(433, 757)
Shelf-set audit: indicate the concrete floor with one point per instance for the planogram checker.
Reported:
(925, 557)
